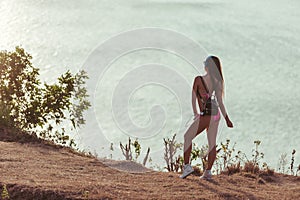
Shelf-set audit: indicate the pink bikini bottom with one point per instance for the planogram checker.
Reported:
(217, 117)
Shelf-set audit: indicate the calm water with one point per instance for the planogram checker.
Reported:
(258, 44)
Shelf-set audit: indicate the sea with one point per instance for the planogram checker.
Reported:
(142, 57)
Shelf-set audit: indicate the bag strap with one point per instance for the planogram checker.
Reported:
(203, 82)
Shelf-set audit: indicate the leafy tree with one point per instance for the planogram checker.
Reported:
(29, 105)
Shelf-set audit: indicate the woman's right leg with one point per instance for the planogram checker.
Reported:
(195, 129)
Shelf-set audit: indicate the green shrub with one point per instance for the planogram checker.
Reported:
(29, 105)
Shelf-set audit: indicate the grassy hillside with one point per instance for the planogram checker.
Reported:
(33, 169)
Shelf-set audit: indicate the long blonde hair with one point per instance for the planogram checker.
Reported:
(214, 68)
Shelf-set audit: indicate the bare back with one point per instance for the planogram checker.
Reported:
(200, 89)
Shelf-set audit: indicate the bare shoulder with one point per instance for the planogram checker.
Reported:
(197, 78)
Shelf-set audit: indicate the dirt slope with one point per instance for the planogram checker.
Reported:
(39, 171)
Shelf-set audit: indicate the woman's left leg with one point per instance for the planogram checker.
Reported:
(211, 137)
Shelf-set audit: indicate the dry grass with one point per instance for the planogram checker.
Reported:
(39, 171)
(233, 169)
(267, 172)
(251, 167)
(197, 171)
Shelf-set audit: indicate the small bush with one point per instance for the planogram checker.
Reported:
(251, 167)
(197, 171)
(174, 163)
(200, 152)
(270, 172)
(126, 150)
(233, 169)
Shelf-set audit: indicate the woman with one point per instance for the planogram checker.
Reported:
(203, 89)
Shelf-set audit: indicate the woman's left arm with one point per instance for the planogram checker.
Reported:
(222, 106)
